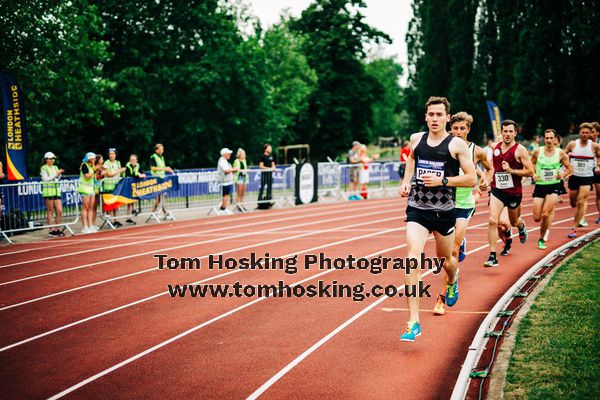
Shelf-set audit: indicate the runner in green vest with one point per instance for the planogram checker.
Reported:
(158, 167)
(86, 190)
(132, 170)
(50, 174)
(112, 171)
(460, 126)
(240, 178)
(548, 161)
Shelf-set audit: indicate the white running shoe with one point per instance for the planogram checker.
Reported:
(86, 230)
(94, 228)
(546, 235)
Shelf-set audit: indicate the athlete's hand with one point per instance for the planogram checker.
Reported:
(483, 185)
(505, 166)
(431, 180)
(536, 178)
(559, 176)
(404, 189)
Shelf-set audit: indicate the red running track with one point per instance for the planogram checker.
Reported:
(90, 317)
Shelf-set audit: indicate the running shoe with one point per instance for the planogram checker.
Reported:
(130, 221)
(547, 235)
(117, 224)
(413, 329)
(492, 261)
(506, 248)
(572, 233)
(452, 292)
(583, 223)
(52, 234)
(523, 233)
(598, 220)
(94, 228)
(542, 245)
(462, 250)
(86, 230)
(439, 306)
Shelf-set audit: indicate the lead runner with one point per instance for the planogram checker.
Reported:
(435, 160)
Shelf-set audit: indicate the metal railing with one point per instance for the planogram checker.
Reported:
(24, 208)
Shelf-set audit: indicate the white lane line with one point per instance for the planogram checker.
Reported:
(194, 329)
(265, 386)
(216, 277)
(250, 246)
(193, 244)
(158, 238)
(105, 235)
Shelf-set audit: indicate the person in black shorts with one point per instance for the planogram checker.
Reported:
(267, 166)
(432, 174)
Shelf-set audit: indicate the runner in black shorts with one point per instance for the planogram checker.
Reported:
(432, 173)
(511, 163)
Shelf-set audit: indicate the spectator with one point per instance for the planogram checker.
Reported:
(132, 170)
(99, 176)
(267, 166)
(240, 178)
(534, 145)
(353, 169)
(226, 177)
(363, 176)
(51, 174)
(87, 171)
(158, 167)
(112, 171)
(404, 154)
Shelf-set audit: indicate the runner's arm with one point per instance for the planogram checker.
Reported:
(564, 159)
(522, 155)
(463, 155)
(487, 166)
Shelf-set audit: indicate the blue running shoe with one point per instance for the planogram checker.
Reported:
(598, 220)
(452, 292)
(413, 330)
(462, 250)
(523, 233)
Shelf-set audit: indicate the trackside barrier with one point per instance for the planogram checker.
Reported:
(282, 188)
(391, 177)
(375, 178)
(492, 318)
(24, 208)
(330, 180)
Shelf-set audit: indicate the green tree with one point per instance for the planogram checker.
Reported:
(340, 108)
(54, 50)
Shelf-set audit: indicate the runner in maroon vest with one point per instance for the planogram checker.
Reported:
(511, 163)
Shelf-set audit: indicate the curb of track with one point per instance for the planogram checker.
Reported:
(491, 320)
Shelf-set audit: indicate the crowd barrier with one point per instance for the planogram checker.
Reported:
(23, 207)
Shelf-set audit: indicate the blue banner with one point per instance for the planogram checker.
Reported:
(495, 118)
(130, 189)
(13, 128)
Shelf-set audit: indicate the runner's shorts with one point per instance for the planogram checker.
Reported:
(464, 213)
(508, 200)
(575, 182)
(439, 221)
(544, 190)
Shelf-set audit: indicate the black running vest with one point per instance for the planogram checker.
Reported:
(439, 161)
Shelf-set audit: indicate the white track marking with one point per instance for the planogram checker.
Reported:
(265, 386)
(155, 239)
(193, 244)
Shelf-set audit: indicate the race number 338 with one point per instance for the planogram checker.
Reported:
(428, 167)
(504, 180)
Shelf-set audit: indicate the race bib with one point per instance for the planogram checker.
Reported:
(583, 167)
(504, 180)
(549, 174)
(427, 167)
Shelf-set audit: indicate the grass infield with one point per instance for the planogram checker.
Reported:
(557, 350)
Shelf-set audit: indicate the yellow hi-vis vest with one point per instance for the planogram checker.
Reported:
(160, 163)
(50, 188)
(86, 186)
(109, 184)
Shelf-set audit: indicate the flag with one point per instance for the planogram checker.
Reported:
(130, 190)
(495, 118)
(13, 128)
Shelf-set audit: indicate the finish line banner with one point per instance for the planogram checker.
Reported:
(13, 127)
(130, 190)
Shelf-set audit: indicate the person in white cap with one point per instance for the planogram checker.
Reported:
(51, 174)
(226, 177)
(85, 188)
